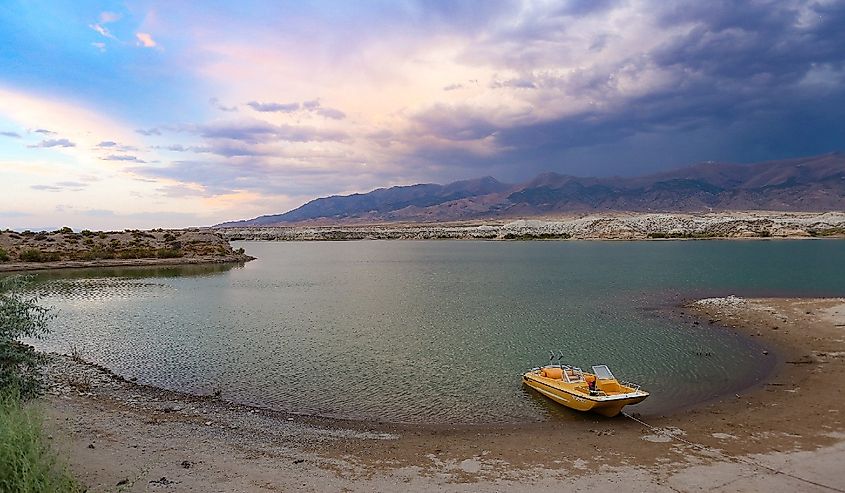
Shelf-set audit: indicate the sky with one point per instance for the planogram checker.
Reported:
(142, 114)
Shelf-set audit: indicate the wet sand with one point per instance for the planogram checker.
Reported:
(784, 434)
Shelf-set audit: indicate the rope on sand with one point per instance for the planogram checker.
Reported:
(741, 460)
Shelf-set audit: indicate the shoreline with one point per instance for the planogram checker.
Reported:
(141, 262)
(606, 226)
(286, 449)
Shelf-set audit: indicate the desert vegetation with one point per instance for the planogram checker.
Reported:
(65, 245)
(27, 462)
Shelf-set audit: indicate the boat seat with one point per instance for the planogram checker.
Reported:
(609, 386)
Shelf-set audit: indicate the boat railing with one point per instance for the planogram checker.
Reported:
(632, 385)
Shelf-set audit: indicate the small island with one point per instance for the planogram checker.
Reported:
(64, 248)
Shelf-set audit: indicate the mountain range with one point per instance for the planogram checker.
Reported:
(814, 183)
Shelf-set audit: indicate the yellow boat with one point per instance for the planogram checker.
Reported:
(598, 391)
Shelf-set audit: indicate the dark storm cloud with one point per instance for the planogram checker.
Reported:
(580, 8)
(456, 123)
(756, 80)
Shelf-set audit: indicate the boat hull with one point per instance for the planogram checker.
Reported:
(573, 399)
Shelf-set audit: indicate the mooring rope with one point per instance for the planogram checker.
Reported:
(730, 458)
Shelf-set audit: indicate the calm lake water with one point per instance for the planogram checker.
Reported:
(432, 331)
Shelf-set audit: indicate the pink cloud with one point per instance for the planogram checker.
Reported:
(146, 40)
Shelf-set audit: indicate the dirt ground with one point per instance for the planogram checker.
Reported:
(786, 434)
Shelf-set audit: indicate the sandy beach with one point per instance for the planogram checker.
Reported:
(785, 433)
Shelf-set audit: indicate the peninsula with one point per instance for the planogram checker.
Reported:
(64, 248)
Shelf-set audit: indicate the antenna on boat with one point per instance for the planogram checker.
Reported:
(560, 357)
(551, 356)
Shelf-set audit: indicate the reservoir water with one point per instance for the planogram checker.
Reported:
(432, 331)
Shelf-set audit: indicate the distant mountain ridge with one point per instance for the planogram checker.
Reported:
(806, 184)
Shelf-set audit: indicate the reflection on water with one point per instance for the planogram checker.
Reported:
(430, 331)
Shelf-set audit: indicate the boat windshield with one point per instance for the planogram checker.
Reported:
(602, 372)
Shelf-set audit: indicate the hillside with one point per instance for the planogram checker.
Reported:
(807, 184)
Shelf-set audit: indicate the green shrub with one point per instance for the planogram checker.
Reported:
(27, 464)
(65, 230)
(168, 253)
(36, 255)
(4, 255)
(31, 255)
(20, 316)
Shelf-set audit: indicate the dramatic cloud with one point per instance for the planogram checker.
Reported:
(54, 143)
(334, 101)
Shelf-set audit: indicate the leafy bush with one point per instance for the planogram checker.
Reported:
(36, 255)
(4, 255)
(31, 255)
(20, 316)
(168, 253)
(65, 230)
